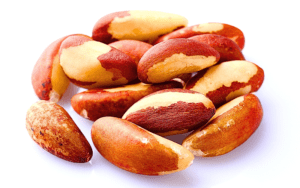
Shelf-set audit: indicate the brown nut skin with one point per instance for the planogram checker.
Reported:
(174, 57)
(48, 79)
(95, 103)
(52, 128)
(139, 25)
(171, 111)
(230, 127)
(228, 80)
(227, 48)
(136, 150)
(223, 29)
(133, 48)
(91, 64)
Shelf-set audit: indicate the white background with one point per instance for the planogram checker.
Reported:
(270, 157)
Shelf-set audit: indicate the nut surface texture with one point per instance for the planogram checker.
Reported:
(136, 150)
(230, 127)
(52, 128)
(171, 111)
(175, 57)
(90, 64)
(228, 80)
(133, 48)
(95, 103)
(223, 29)
(48, 79)
(227, 48)
(139, 25)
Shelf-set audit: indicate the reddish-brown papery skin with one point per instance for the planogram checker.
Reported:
(227, 48)
(133, 48)
(229, 130)
(53, 129)
(121, 142)
(99, 103)
(186, 32)
(120, 64)
(218, 96)
(114, 61)
(75, 40)
(41, 74)
(178, 116)
(158, 53)
(100, 29)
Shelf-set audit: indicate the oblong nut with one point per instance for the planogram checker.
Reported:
(133, 48)
(90, 64)
(174, 57)
(136, 150)
(171, 111)
(48, 79)
(223, 29)
(227, 48)
(228, 80)
(52, 128)
(137, 25)
(95, 103)
(230, 127)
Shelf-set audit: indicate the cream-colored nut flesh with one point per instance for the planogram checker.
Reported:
(133, 87)
(226, 107)
(166, 99)
(239, 92)
(224, 74)
(145, 25)
(208, 27)
(214, 128)
(81, 63)
(59, 81)
(185, 157)
(178, 64)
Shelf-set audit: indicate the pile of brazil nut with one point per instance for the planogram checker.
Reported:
(147, 75)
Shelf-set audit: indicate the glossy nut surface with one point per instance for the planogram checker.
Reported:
(48, 79)
(227, 48)
(175, 57)
(140, 25)
(136, 150)
(223, 29)
(230, 127)
(228, 80)
(90, 64)
(95, 103)
(52, 128)
(171, 111)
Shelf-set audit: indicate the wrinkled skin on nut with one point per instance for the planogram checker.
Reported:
(136, 150)
(133, 48)
(52, 128)
(95, 103)
(180, 56)
(228, 80)
(227, 48)
(171, 111)
(230, 127)
(223, 29)
(91, 64)
(139, 25)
